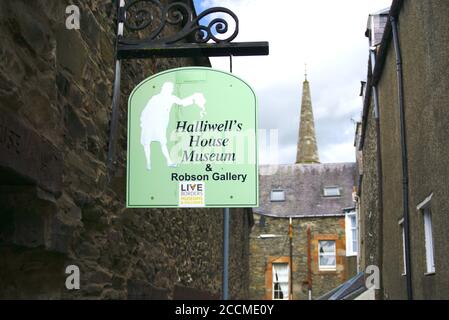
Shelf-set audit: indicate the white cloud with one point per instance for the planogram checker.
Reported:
(328, 35)
(343, 152)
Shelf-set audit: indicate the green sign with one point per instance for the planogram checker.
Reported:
(192, 141)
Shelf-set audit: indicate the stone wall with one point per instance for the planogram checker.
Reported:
(58, 83)
(263, 251)
(423, 33)
(424, 30)
(369, 210)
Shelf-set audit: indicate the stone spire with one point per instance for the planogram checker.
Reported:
(307, 151)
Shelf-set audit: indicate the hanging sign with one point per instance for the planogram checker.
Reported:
(192, 141)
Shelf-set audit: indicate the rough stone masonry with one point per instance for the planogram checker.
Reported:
(57, 85)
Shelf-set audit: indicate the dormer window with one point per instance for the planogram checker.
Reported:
(277, 195)
(331, 192)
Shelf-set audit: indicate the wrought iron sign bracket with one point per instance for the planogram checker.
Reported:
(147, 24)
(192, 50)
(145, 29)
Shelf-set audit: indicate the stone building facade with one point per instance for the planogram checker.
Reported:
(317, 199)
(317, 220)
(57, 206)
(268, 251)
(423, 37)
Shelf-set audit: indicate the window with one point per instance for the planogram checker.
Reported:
(425, 208)
(277, 195)
(404, 261)
(280, 281)
(430, 263)
(352, 239)
(331, 191)
(327, 259)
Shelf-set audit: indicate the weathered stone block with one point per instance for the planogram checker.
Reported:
(71, 52)
(26, 153)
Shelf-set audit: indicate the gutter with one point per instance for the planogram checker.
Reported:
(395, 8)
(375, 74)
(366, 104)
(294, 216)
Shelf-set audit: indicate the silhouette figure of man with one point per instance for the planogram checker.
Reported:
(155, 117)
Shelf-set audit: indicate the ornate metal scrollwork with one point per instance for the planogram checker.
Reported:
(151, 18)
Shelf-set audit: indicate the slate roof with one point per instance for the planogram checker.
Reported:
(347, 290)
(303, 186)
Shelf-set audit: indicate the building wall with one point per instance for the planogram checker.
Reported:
(58, 84)
(424, 34)
(369, 209)
(264, 251)
(394, 282)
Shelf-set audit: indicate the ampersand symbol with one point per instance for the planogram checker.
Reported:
(208, 167)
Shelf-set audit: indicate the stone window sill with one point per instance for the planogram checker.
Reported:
(328, 271)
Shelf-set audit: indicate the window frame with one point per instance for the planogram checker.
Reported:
(425, 208)
(332, 187)
(327, 268)
(428, 239)
(349, 228)
(274, 282)
(404, 260)
(277, 191)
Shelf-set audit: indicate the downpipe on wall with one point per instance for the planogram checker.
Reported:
(309, 263)
(404, 156)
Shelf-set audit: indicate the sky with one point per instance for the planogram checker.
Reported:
(328, 36)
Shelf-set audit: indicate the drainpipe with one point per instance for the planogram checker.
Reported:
(405, 186)
(290, 235)
(309, 264)
(379, 177)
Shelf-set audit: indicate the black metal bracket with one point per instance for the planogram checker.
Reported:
(145, 29)
(147, 32)
(192, 50)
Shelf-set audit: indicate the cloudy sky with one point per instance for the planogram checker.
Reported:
(328, 35)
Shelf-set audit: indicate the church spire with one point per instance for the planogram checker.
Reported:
(307, 151)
